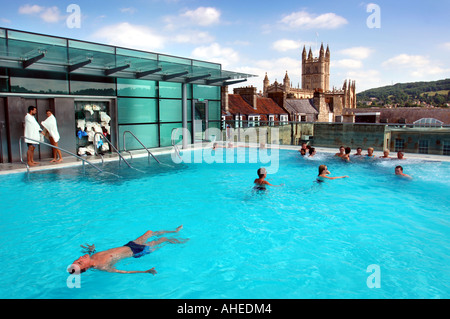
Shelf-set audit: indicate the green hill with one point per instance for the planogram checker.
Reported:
(436, 93)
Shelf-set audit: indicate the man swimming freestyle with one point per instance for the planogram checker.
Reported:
(105, 260)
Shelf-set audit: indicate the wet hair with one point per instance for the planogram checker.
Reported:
(348, 150)
(72, 269)
(322, 168)
(399, 167)
(302, 151)
(311, 150)
(31, 108)
(261, 172)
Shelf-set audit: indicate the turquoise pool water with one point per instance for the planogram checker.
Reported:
(302, 240)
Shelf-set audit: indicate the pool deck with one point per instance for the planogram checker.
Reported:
(70, 161)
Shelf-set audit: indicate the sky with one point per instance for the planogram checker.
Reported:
(373, 43)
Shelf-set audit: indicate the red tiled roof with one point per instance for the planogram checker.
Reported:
(265, 106)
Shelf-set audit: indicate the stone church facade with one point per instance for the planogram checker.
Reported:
(315, 89)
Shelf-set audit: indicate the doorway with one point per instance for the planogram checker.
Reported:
(200, 115)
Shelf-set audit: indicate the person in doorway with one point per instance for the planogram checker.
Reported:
(51, 127)
(139, 247)
(31, 133)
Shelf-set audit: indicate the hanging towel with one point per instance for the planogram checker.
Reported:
(52, 127)
(32, 129)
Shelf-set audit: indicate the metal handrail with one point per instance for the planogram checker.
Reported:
(125, 147)
(177, 151)
(58, 148)
(109, 142)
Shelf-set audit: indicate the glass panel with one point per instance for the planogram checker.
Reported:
(166, 133)
(172, 59)
(86, 46)
(136, 54)
(26, 50)
(169, 90)
(37, 38)
(206, 92)
(92, 85)
(28, 81)
(204, 64)
(146, 133)
(136, 110)
(3, 49)
(131, 87)
(214, 110)
(3, 80)
(170, 110)
(200, 120)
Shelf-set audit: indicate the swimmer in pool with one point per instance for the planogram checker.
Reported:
(346, 156)
(323, 172)
(105, 260)
(261, 180)
(370, 152)
(400, 156)
(399, 172)
(341, 152)
(385, 154)
(358, 152)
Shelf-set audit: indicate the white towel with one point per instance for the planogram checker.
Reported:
(32, 129)
(52, 127)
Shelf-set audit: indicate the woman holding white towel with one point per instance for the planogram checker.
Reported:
(51, 127)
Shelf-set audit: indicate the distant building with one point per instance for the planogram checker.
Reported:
(248, 108)
(329, 104)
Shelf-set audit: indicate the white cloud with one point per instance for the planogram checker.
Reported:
(216, 53)
(347, 64)
(30, 9)
(405, 60)
(365, 79)
(130, 36)
(305, 20)
(50, 14)
(417, 66)
(202, 16)
(193, 37)
(285, 45)
(130, 10)
(359, 53)
(446, 46)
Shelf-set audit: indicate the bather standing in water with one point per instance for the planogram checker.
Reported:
(323, 172)
(261, 180)
(105, 260)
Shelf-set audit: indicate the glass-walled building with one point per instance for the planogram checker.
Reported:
(93, 88)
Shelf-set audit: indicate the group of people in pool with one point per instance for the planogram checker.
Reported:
(344, 154)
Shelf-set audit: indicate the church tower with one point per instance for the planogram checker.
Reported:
(316, 71)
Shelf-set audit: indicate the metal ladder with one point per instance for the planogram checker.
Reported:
(148, 151)
(109, 142)
(58, 148)
(177, 151)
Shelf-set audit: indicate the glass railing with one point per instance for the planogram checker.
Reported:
(394, 137)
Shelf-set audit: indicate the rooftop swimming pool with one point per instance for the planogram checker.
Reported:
(372, 235)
